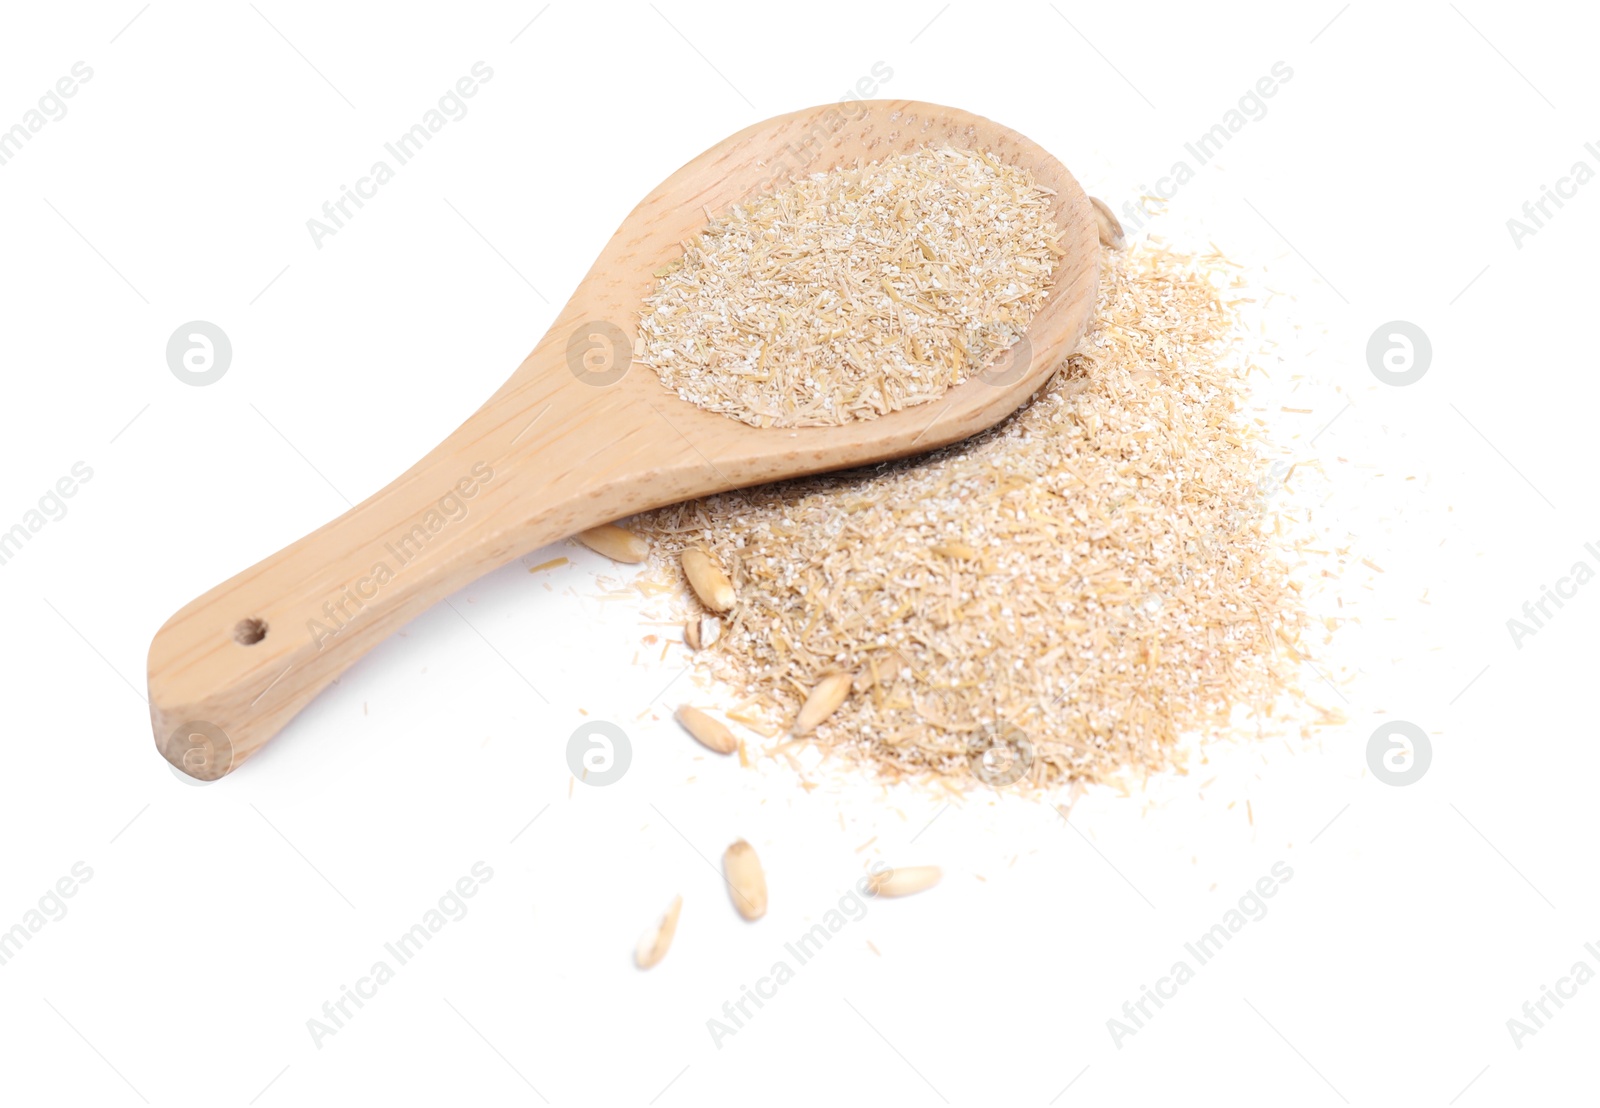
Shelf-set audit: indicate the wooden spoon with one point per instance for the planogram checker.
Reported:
(577, 437)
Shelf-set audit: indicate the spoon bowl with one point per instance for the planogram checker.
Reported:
(580, 435)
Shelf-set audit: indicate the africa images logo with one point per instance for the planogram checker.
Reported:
(404, 548)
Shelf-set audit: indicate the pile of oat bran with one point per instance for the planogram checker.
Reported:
(1099, 570)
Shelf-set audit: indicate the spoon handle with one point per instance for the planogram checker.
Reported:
(229, 669)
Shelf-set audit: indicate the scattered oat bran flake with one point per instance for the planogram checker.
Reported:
(1118, 584)
(856, 292)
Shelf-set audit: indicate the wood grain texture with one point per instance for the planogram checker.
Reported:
(576, 437)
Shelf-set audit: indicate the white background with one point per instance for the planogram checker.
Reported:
(220, 919)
